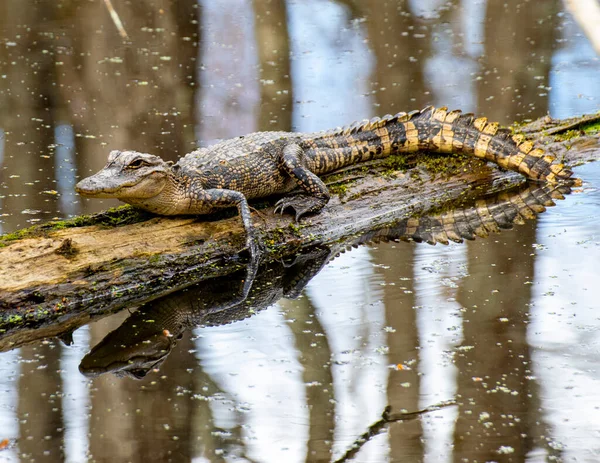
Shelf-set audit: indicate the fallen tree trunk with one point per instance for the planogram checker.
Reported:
(73, 270)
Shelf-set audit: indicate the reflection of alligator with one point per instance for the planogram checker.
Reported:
(147, 337)
(266, 163)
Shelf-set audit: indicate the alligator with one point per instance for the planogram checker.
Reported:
(262, 164)
(146, 338)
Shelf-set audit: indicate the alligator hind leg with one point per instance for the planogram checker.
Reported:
(316, 193)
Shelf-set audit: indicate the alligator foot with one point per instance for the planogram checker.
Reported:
(302, 205)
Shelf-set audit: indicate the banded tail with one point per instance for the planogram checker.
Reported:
(438, 131)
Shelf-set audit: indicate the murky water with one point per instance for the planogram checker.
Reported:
(506, 327)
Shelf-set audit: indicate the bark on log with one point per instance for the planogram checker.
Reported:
(68, 275)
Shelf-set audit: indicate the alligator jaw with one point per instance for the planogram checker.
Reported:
(104, 184)
(112, 183)
(135, 360)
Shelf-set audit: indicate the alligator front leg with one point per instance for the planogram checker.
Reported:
(317, 195)
(221, 198)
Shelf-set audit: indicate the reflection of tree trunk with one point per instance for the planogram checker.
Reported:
(519, 41)
(40, 405)
(112, 412)
(315, 357)
(147, 420)
(496, 396)
(399, 299)
(206, 441)
(170, 404)
(398, 79)
(274, 57)
(30, 89)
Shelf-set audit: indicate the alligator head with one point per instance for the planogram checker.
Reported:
(128, 174)
(133, 359)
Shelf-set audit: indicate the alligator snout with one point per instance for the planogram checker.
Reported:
(104, 184)
(86, 187)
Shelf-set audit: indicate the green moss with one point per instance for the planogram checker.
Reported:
(568, 135)
(440, 164)
(339, 189)
(592, 128)
(114, 217)
(295, 229)
(396, 162)
(154, 258)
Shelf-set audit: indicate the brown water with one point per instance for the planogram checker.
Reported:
(507, 327)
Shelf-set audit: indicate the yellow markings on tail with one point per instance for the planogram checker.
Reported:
(411, 226)
(443, 139)
(440, 114)
(523, 208)
(518, 139)
(384, 135)
(412, 137)
(553, 176)
(536, 153)
(453, 115)
(479, 123)
(402, 117)
(491, 128)
(514, 161)
(526, 147)
(358, 152)
(487, 219)
(481, 147)
(504, 161)
(448, 222)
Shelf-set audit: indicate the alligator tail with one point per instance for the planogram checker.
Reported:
(449, 132)
(443, 131)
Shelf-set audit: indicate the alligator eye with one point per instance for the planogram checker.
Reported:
(137, 164)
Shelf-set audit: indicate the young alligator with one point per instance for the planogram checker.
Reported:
(266, 163)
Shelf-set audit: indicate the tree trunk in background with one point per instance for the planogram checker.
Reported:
(494, 369)
(136, 96)
(314, 354)
(273, 46)
(28, 165)
(41, 424)
(517, 59)
(399, 78)
(399, 299)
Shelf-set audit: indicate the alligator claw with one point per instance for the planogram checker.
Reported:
(301, 204)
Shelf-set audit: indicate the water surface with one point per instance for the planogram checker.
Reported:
(507, 326)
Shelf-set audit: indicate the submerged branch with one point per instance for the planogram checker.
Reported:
(386, 418)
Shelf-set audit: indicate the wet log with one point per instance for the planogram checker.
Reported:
(74, 270)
